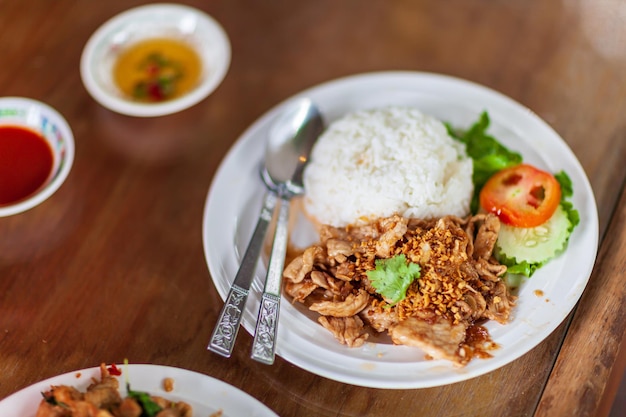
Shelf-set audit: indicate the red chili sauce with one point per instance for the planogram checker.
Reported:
(25, 163)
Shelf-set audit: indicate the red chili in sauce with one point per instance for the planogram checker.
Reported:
(25, 163)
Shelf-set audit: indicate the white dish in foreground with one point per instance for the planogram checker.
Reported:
(185, 23)
(230, 215)
(205, 394)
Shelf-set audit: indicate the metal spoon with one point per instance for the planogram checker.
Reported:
(290, 140)
(293, 157)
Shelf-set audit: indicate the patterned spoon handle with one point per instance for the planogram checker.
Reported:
(227, 327)
(264, 344)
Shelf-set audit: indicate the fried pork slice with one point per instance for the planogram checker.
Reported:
(489, 271)
(327, 232)
(298, 269)
(379, 319)
(393, 229)
(351, 306)
(344, 271)
(500, 306)
(65, 394)
(486, 237)
(104, 393)
(347, 330)
(87, 409)
(60, 394)
(339, 249)
(440, 340)
(129, 407)
(299, 291)
(170, 409)
(473, 305)
(334, 289)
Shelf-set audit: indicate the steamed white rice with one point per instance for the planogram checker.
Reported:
(376, 163)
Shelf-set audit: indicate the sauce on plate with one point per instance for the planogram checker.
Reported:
(157, 69)
(26, 161)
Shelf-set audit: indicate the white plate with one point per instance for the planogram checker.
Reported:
(234, 201)
(177, 21)
(205, 394)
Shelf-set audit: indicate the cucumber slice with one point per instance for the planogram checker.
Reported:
(535, 245)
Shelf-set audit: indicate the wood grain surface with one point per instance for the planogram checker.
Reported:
(112, 265)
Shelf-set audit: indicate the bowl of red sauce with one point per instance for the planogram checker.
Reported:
(36, 153)
(155, 60)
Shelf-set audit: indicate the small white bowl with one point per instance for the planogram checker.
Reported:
(196, 28)
(44, 120)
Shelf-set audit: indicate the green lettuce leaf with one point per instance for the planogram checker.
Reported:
(488, 155)
(522, 268)
(567, 191)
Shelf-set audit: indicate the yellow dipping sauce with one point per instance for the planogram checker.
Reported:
(157, 69)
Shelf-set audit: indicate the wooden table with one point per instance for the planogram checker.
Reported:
(112, 265)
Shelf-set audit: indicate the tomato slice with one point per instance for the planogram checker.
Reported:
(521, 196)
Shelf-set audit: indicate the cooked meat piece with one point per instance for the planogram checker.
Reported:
(486, 237)
(327, 232)
(70, 403)
(103, 397)
(294, 270)
(179, 409)
(380, 319)
(500, 305)
(364, 232)
(300, 266)
(472, 306)
(440, 340)
(468, 269)
(129, 408)
(300, 290)
(104, 394)
(320, 279)
(488, 270)
(394, 229)
(184, 408)
(46, 409)
(66, 394)
(87, 409)
(344, 271)
(347, 330)
(416, 224)
(351, 306)
(326, 281)
(339, 249)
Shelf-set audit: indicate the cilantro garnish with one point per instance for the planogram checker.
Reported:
(392, 277)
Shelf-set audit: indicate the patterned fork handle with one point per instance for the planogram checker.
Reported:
(264, 344)
(227, 327)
